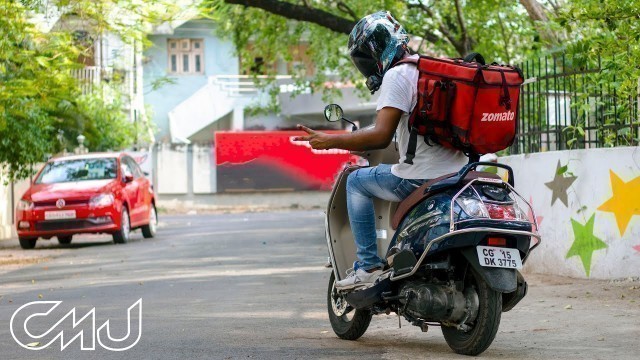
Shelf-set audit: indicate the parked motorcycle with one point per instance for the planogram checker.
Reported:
(453, 248)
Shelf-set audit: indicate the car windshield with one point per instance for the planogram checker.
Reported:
(78, 170)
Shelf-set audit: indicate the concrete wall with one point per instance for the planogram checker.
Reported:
(6, 208)
(587, 214)
(171, 169)
(218, 60)
(204, 169)
(185, 169)
(10, 194)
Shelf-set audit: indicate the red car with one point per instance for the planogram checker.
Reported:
(92, 193)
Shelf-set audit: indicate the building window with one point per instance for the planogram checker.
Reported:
(186, 56)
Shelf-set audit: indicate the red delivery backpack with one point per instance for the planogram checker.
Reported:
(464, 104)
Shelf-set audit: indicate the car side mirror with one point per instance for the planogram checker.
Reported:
(128, 178)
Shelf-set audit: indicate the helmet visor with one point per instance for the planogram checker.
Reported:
(366, 64)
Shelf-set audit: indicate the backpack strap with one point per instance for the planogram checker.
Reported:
(413, 131)
(411, 146)
(407, 60)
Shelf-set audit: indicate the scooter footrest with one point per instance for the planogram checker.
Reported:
(361, 299)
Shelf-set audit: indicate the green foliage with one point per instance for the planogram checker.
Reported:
(500, 29)
(41, 100)
(103, 123)
(583, 54)
(606, 33)
(35, 82)
(562, 169)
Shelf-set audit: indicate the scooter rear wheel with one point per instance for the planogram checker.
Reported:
(484, 328)
(348, 323)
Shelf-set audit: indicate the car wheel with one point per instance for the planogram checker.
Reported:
(27, 243)
(149, 230)
(65, 240)
(122, 235)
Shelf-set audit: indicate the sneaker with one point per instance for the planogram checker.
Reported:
(359, 278)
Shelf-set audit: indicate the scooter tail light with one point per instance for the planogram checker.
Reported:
(505, 211)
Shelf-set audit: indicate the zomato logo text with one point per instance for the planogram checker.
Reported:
(503, 116)
(34, 326)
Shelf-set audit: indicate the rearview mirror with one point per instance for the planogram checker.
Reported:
(333, 112)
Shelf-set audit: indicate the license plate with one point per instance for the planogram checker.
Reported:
(60, 215)
(491, 256)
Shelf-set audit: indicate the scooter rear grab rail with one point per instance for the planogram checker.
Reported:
(458, 179)
(452, 222)
(469, 167)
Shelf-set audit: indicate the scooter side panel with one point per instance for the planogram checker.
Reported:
(342, 249)
(341, 242)
(340, 239)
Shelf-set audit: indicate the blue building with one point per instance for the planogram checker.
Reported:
(207, 91)
(189, 107)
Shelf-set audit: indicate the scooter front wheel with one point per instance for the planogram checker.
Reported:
(348, 323)
(483, 330)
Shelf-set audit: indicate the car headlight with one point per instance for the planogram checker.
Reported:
(473, 207)
(101, 200)
(25, 205)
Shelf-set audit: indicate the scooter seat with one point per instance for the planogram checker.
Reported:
(427, 189)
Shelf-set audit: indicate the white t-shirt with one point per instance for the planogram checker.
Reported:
(399, 90)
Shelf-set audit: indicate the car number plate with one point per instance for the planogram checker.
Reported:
(60, 215)
(491, 256)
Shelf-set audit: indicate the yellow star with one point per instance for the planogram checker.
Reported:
(625, 201)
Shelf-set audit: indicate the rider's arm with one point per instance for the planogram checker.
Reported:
(377, 137)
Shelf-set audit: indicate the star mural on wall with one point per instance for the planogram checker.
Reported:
(625, 201)
(559, 186)
(585, 243)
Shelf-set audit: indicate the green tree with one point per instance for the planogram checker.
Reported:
(605, 35)
(500, 29)
(599, 39)
(35, 85)
(40, 99)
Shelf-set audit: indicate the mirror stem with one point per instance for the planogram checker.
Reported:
(353, 126)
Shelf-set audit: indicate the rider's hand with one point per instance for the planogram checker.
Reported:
(317, 140)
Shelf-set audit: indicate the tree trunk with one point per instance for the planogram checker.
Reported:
(538, 14)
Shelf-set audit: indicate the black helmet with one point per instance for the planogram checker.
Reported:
(376, 43)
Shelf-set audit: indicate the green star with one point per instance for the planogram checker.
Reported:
(559, 186)
(585, 243)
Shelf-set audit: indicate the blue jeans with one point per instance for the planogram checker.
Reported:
(362, 186)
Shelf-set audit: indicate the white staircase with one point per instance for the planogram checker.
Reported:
(221, 95)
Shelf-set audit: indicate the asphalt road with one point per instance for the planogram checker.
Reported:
(240, 286)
